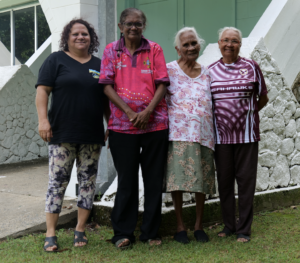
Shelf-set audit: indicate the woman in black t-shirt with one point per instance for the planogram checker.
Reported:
(73, 127)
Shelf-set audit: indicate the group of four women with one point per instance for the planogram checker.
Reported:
(177, 122)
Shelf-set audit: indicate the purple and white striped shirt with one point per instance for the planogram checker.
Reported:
(234, 90)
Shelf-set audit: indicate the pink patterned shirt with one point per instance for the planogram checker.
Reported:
(134, 79)
(235, 89)
(190, 106)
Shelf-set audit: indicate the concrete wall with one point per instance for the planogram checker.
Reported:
(19, 139)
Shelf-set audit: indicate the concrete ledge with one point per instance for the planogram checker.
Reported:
(263, 201)
(64, 221)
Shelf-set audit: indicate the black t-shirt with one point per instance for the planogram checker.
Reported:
(76, 111)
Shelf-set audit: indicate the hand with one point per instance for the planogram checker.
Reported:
(45, 130)
(132, 115)
(106, 137)
(142, 119)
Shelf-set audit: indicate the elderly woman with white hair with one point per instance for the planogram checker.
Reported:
(190, 165)
(239, 92)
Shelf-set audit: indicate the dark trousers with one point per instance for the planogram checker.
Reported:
(127, 156)
(237, 161)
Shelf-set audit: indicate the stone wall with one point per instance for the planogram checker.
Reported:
(19, 138)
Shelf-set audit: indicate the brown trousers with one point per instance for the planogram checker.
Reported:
(237, 161)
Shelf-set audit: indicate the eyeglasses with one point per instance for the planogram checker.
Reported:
(227, 41)
(137, 25)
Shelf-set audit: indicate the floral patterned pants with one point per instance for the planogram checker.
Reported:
(61, 161)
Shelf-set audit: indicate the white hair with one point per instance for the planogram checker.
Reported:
(177, 41)
(222, 30)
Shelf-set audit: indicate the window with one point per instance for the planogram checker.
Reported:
(21, 38)
(5, 38)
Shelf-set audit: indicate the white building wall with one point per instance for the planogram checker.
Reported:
(59, 12)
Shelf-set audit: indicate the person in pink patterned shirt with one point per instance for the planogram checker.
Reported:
(190, 164)
(239, 92)
(135, 77)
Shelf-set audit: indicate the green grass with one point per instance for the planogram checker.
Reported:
(275, 238)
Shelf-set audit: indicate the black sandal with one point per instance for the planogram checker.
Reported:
(226, 231)
(80, 238)
(52, 241)
(182, 237)
(243, 236)
(201, 236)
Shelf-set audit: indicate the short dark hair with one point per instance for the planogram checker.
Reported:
(67, 30)
(131, 10)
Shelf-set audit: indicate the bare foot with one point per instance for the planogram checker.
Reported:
(50, 248)
(124, 243)
(155, 243)
(242, 240)
(222, 235)
(80, 244)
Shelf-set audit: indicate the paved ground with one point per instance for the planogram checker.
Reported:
(23, 189)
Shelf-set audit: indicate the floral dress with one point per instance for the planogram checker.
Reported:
(190, 164)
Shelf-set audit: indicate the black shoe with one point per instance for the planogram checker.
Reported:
(201, 236)
(182, 237)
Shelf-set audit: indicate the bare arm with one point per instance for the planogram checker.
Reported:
(143, 117)
(41, 101)
(262, 101)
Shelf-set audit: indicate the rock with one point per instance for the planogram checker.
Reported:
(295, 175)
(9, 118)
(297, 141)
(7, 142)
(279, 105)
(20, 131)
(272, 94)
(9, 132)
(34, 148)
(285, 94)
(278, 124)
(287, 146)
(16, 138)
(267, 159)
(12, 159)
(291, 106)
(30, 133)
(266, 66)
(30, 156)
(265, 124)
(296, 159)
(269, 111)
(269, 141)
(22, 150)
(287, 115)
(36, 137)
(2, 135)
(281, 174)
(297, 113)
(298, 125)
(2, 119)
(15, 123)
(262, 181)
(290, 129)
(44, 151)
(276, 81)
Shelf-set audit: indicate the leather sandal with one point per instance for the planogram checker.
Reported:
(80, 238)
(226, 231)
(245, 237)
(123, 247)
(52, 241)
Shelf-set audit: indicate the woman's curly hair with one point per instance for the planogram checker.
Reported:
(67, 30)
